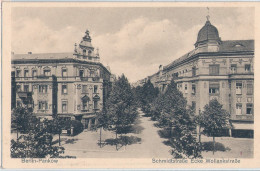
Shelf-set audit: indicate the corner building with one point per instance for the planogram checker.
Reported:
(70, 85)
(216, 69)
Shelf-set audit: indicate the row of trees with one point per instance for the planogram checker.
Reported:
(120, 111)
(171, 111)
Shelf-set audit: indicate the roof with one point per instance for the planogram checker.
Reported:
(42, 56)
(56, 57)
(225, 46)
(236, 45)
(208, 32)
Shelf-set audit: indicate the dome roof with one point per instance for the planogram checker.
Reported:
(207, 32)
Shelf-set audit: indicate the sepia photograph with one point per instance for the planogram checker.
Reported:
(170, 84)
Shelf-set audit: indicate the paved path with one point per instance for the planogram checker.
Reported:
(151, 145)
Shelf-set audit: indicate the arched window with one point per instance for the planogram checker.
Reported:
(89, 53)
(84, 52)
(81, 73)
(85, 99)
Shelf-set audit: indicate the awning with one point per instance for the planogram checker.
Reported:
(244, 126)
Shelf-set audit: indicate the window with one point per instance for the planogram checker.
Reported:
(34, 73)
(249, 88)
(64, 106)
(18, 73)
(92, 73)
(64, 73)
(43, 88)
(239, 109)
(26, 73)
(214, 88)
(238, 88)
(26, 88)
(193, 71)
(247, 67)
(43, 105)
(89, 53)
(19, 103)
(84, 52)
(18, 88)
(93, 121)
(47, 72)
(84, 89)
(249, 109)
(213, 69)
(81, 73)
(233, 68)
(95, 104)
(193, 105)
(95, 88)
(193, 89)
(84, 105)
(64, 89)
(186, 88)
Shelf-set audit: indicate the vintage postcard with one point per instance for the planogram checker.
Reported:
(130, 85)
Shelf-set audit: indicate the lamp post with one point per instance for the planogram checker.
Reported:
(199, 126)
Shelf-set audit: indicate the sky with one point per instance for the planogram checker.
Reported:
(133, 41)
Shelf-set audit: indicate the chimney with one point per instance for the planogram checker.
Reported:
(29, 53)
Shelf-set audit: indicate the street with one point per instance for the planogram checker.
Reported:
(85, 145)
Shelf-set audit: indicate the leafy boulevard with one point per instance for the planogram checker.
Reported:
(121, 118)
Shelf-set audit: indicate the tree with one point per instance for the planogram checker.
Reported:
(121, 107)
(21, 118)
(37, 143)
(145, 95)
(138, 95)
(149, 93)
(214, 119)
(177, 118)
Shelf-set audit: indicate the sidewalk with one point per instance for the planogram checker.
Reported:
(240, 147)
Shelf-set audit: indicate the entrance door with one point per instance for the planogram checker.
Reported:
(86, 123)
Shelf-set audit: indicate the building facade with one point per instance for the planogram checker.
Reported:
(71, 85)
(215, 69)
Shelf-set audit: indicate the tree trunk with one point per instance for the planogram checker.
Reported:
(116, 141)
(17, 133)
(213, 144)
(59, 138)
(199, 136)
(100, 137)
(170, 132)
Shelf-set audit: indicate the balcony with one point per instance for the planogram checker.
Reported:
(89, 78)
(44, 77)
(84, 110)
(24, 94)
(95, 78)
(43, 111)
(243, 117)
(240, 74)
(96, 109)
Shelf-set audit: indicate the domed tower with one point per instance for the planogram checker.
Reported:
(208, 39)
(85, 49)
